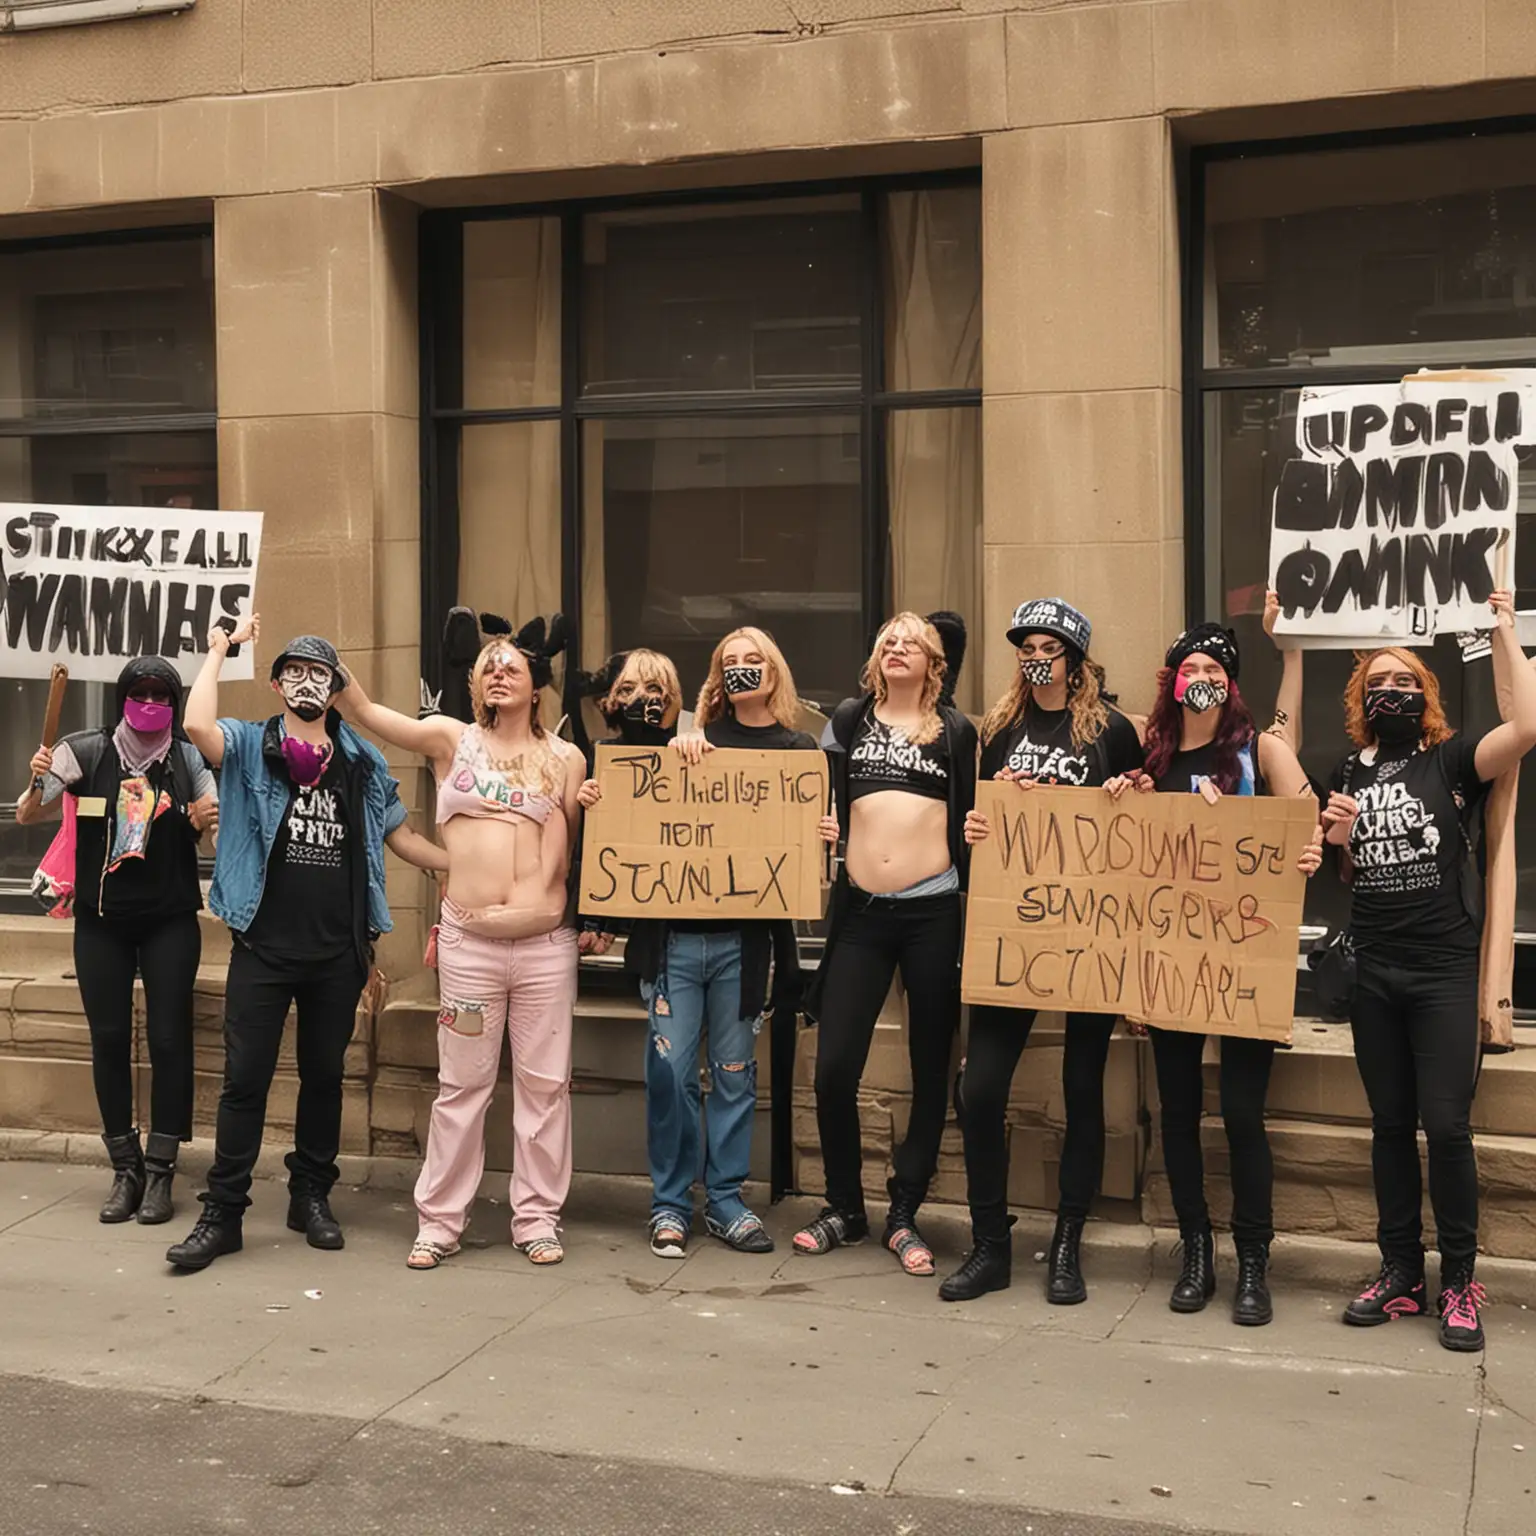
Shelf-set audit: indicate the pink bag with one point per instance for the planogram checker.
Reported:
(53, 886)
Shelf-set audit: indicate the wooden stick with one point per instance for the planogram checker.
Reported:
(57, 683)
(1501, 562)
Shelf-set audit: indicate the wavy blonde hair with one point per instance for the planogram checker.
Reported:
(911, 626)
(1434, 728)
(544, 766)
(783, 701)
(649, 667)
(1086, 709)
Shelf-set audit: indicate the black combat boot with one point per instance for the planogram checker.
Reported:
(217, 1232)
(1064, 1285)
(128, 1177)
(310, 1214)
(988, 1267)
(1251, 1306)
(160, 1169)
(1197, 1280)
(1398, 1291)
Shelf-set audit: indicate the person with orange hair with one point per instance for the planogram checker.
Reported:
(903, 764)
(1397, 813)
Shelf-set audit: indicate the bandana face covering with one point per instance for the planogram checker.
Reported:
(1039, 671)
(643, 710)
(147, 718)
(1200, 695)
(742, 679)
(306, 696)
(306, 762)
(1395, 715)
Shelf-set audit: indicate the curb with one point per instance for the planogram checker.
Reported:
(1126, 1250)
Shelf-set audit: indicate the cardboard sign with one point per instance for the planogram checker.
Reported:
(1396, 520)
(1165, 908)
(94, 587)
(733, 837)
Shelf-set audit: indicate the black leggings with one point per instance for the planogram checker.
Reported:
(921, 935)
(1419, 1050)
(997, 1039)
(1245, 1069)
(165, 952)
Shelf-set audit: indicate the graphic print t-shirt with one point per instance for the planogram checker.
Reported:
(883, 758)
(1040, 748)
(306, 915)
(1408, 852)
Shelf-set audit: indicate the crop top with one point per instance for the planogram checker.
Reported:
(474, 788)
(883, 758)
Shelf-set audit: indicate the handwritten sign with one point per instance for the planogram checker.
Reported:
(1397, 515)
(94, 587)
(733, 837)
(1162, 907)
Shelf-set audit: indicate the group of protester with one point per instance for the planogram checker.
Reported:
(305, 806)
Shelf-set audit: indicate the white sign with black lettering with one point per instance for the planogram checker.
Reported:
(94, 587)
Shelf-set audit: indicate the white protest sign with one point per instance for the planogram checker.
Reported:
(93, 587)
(1396, 520)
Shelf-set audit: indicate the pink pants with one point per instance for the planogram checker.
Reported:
(528, 986)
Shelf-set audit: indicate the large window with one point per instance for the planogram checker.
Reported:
(1350, 263)
(106, 399)
(673, 418)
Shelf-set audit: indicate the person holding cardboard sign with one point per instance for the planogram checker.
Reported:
(1398, 812)
(903, 764)
(505, 955)
(143, 797)
(1052, 726)
(1201, 739)
(705, 981)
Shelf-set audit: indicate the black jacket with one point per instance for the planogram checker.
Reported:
(960, 742)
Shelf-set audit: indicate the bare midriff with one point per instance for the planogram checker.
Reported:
(896, 839)
(507, 873)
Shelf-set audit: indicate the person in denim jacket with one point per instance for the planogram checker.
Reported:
(306, 807)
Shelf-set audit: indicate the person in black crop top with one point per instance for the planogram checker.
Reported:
(1053, 725)
(1201, 740)
(903, 764)
(1398, 810)
(143, 796)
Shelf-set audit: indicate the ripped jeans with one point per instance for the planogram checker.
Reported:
(697, 994)
(528, 988)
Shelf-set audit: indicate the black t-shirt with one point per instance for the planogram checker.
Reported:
(1040, 747)
(307, 914)
(1408, 851)
(883, 758)
(727, 731)
(1187, 770)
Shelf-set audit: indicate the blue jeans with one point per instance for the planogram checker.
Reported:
(698, 991)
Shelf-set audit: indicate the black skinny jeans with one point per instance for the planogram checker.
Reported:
(1245, 1069)
(1419, 1051)
(108, 954)
(921, 935)
(997, 1039)
(256, 1003)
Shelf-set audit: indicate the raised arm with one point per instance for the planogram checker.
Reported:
(1278, 764)
(201, 717)
(1287, 721)
(436, 738)
(1503, 747)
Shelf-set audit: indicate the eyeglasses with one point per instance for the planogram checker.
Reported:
(898, 645)
(150, 696)
(306, 672)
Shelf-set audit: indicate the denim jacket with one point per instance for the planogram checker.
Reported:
(253, 798)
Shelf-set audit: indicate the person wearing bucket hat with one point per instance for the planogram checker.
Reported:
(143, 797)
(1053, 725)
(298, 876)
(1201, 739)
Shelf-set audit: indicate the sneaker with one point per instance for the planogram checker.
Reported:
(1461, 1328)
(1398, 1291)
(669, 1235)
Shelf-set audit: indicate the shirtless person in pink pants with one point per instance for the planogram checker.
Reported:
(506, 803)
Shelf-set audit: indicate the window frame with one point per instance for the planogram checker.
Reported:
(444, 415)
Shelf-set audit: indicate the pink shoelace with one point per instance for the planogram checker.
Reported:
(1462, 1303)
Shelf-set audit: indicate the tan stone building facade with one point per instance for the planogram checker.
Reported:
(675, 315)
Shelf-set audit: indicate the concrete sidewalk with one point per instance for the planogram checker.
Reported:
(794, 1374)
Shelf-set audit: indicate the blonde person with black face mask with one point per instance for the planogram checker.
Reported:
(707, 982)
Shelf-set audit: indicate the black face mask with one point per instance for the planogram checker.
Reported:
(1395, 715)
(742, 679)
(642, 710)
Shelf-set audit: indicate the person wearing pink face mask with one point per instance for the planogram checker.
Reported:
(144, 796)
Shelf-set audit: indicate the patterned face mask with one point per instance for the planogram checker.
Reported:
(1039, 671)
(1200, 695)
(643, 710)
(1395, 715)
(742, 679)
